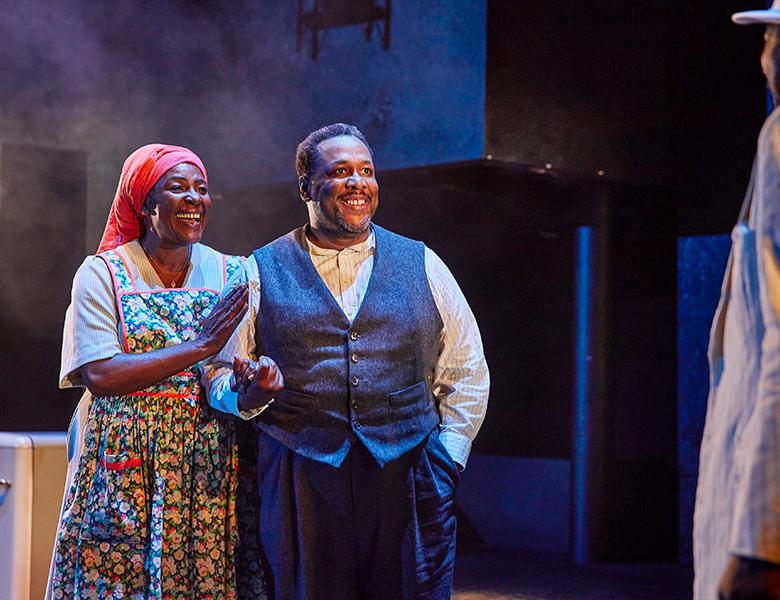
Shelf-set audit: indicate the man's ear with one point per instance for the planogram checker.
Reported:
(303, 188)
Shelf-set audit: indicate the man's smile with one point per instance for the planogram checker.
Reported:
(354, 200)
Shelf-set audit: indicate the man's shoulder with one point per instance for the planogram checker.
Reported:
(283, 240)
(382, 233)
(771, 125)
(281, 243)
(774, 116)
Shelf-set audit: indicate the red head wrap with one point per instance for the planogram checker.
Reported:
(142, 169)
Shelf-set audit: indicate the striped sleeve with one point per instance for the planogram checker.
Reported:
(218, 369)
(91, 332)
(461, 380)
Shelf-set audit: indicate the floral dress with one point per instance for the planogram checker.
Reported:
(163, 504)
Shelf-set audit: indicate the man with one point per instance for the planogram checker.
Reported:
(385, 388)
(737, 516)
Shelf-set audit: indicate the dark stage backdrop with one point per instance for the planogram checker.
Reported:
(661, 94)
(665, 95)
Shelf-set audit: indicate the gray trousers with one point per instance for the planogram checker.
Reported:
(358, 531)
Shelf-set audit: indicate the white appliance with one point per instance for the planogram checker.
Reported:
(32, 478)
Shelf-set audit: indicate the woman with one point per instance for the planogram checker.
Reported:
(151, 510)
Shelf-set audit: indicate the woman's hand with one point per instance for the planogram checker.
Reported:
(129, 372)
(256, 382)
(223, 320)
(244, 371)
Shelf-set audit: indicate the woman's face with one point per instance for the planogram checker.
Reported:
(178, 206)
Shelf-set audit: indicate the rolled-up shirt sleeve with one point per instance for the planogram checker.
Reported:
(461, 380)
(91, 329)
(218, 370)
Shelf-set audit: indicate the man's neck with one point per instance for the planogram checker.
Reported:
(332, 241)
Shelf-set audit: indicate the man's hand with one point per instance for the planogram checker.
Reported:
(750, 579)
(256, 382)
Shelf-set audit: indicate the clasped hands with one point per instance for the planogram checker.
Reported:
(256, 382)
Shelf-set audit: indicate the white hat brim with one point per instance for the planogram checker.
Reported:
(754, 17)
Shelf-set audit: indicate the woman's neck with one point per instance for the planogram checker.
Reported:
(169, 262)
(170, 258)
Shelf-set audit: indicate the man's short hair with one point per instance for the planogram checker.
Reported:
(307, 149)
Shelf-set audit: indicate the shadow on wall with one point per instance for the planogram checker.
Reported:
(40, 241)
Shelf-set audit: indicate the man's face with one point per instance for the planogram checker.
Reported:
(342, 193)
(770, 60)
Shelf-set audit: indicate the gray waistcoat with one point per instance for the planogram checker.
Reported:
(368, 381)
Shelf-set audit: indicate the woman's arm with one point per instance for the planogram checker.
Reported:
(90, 331)
(126, 372)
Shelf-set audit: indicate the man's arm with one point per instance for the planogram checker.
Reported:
(218, 370)
(754, 570)
(461, 380)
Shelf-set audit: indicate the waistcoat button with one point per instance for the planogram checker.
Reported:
(354, 404)
(355, 380)
(353, 358)
(354, 335)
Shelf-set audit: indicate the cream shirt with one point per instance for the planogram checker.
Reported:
(738, 494)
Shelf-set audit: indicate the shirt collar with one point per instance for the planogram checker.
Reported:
(362, 247)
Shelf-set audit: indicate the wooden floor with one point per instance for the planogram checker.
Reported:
(486, 575)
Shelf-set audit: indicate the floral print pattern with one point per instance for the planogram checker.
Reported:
(164, 502)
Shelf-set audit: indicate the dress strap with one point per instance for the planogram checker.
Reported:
(120, 273)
